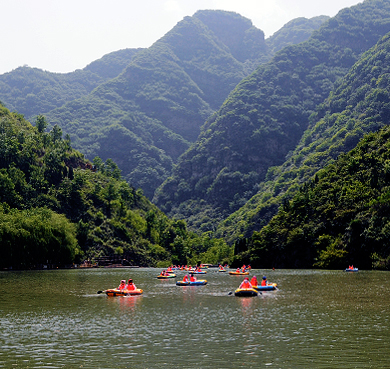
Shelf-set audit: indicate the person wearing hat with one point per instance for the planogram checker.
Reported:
(130, 285)
(264, 281)
(122, 286)
(245, 284)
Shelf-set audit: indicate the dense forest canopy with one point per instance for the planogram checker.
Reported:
(340, 217)
(58, 208)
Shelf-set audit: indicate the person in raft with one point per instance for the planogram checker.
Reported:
(185, 278)
(264, 281)
(130, 285)
(254, 281)
(122, 286)
(245, 284)
(192, 278)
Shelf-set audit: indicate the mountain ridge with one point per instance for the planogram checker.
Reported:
(264, 117)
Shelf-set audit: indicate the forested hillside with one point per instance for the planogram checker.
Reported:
(57, 208)
(263, 119)
(32, 91)
(360, 103)
(294, 32)
(340, 217)
(149, 115)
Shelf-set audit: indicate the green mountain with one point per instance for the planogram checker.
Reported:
(150, 114)
(294, 32)
(340, 217)
(359, 104)
(263, 120)
(32, 91)
(55, 208)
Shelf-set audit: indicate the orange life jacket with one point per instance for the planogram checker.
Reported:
(246, 284)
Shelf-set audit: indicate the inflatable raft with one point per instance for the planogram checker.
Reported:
(199, 272)
(239, 273)
(170, 275)
(245, 292)
(115, 292)
(352, 270)
(268, 287)
(200, 282)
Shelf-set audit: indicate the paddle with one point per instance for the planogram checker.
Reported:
(99, 292)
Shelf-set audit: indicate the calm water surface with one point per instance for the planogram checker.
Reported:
(317, 319)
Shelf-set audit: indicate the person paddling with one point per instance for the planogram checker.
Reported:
(192, 278)
(185, 279)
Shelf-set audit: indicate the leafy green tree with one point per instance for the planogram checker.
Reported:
(41, 123)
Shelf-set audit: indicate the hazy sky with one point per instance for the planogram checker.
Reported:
(65, 35)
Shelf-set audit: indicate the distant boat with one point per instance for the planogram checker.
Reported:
(351, 270)
(238, 273)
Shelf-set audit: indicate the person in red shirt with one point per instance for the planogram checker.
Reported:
(192, 278)
(185, 278)
(245, 284)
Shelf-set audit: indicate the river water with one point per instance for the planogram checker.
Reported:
(316, 319)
